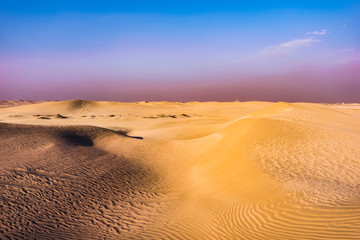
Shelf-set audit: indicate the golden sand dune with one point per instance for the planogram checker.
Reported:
(161, 170)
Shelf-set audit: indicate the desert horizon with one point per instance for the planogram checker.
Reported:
(180, 120)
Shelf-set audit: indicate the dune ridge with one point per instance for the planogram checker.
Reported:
(252, 170)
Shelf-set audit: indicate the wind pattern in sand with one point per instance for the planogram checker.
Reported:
(161, 170)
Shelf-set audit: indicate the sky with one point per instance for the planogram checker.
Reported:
(296, 51)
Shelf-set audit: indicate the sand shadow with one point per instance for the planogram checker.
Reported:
(78, 140)
(136, 137)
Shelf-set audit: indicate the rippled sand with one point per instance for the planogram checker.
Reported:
(162, 170)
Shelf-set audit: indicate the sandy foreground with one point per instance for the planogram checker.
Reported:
(166, 170)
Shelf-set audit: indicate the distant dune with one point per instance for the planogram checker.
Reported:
(170, 170)
(13, 103)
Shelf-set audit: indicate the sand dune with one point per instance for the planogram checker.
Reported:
(13, 103)
(161, 170)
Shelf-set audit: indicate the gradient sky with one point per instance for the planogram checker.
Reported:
(180, 50)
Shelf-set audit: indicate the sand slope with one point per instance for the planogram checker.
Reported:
(160, 170)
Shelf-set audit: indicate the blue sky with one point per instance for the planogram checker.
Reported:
(166, 6)
(46, 46)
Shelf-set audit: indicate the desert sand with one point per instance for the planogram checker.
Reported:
(171, 170)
